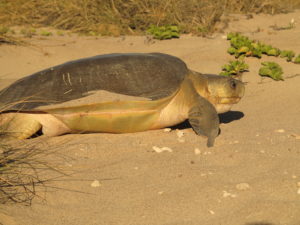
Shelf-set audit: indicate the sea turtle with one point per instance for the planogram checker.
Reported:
(54, 100)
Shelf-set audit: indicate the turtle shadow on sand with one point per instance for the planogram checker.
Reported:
(230, 116)
(224, 118)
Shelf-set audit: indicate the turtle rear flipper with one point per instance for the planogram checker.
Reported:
(204, 119)
(18, 125)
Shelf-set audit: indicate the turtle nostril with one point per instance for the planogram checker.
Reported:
(233, 84)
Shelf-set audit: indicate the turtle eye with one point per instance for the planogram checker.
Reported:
(233, 84)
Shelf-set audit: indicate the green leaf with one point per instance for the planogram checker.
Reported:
(174, 29)
(273, 52)
(226, 67)
(289, 55)
(256, 53)
(271, 69)
(234, 68)
(175, 34)
(224, 73)
(231, 50)
(243, 49)
(265, 48)
(231, 35)
(255, 45)
(297, 59)
(164, 32)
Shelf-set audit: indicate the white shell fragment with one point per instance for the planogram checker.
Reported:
(280, 130)
(207, 153)
(211, 212)
(227, 194)
(292, 22)
(197, 151)
(167, 130)
(95, 183)
(179, 133)
(163, 149)
(242, 186)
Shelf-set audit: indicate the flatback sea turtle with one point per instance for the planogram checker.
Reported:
(55, 100)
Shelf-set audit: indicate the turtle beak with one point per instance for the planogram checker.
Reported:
(231, 100)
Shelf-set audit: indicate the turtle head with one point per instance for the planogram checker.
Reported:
(221, 91)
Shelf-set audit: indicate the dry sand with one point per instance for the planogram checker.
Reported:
(250, 177)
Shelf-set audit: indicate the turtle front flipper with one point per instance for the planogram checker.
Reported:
(204, 119)
(18, 125)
